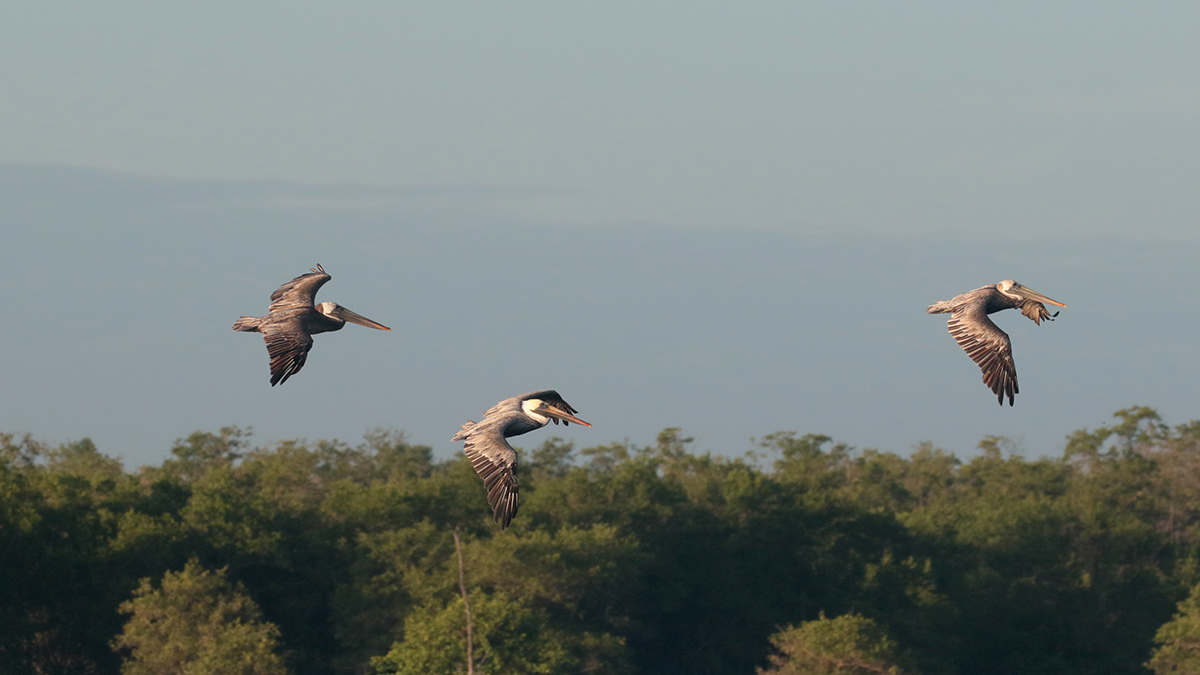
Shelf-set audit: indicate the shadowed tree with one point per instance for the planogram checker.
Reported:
(1179, 640)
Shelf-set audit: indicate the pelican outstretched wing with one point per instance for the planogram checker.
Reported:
(288, 344)
(496, 463)
(988, 346)
(299, 292)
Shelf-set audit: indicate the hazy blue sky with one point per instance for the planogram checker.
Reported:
(907, 118)
(726, 216)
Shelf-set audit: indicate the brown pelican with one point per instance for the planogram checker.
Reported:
(293, 319)
(494, 459)
(985, 343)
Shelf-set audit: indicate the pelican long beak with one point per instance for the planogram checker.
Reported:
(551, 411)
(1034, 295)
(347, 315)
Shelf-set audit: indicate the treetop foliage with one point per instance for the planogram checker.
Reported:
(848, 645)
(325, 557)
(196, 623)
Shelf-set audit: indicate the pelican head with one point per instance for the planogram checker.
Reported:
(1018, 292)
(336, 311)
(544, 412)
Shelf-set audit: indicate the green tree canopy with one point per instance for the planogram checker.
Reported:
(625, 559)
(510, 639)
(1178, 652)
(847, 645)
(197, 623)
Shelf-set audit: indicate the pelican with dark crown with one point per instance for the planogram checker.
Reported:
(983, 341)
(293, 319)
(494, 459)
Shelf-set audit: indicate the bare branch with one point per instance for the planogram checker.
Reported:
(462, 586)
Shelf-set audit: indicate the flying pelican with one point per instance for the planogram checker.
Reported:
(293, 319)
(983, 341)
(494, 459)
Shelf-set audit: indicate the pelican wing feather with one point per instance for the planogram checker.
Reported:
(496, 463)
(299, 293)
(288, 344)
(988, 346)
(1036, 311)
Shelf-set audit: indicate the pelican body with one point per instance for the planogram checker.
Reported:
(494, 459)
(293, 319)
(984, 342)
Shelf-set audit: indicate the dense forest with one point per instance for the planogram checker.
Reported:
(806, 556)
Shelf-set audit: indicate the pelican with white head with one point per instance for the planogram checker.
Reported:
(494, 459)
